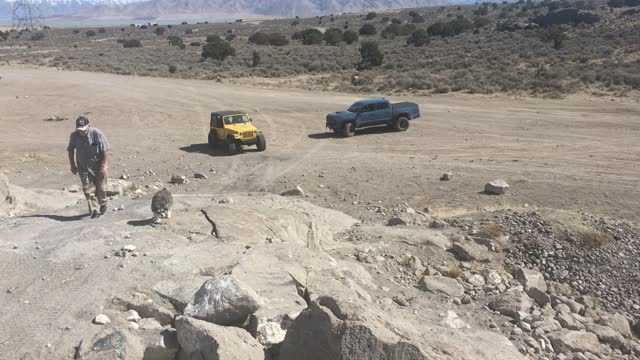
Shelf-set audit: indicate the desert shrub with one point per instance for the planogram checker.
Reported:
(217, 49)
(213, 38)
(368, 30)
(277, 39)
(195, 43)
(553, 34)
(593, 237)
(385, 19)
(120, 41)
(259, 38)
(481, 11)
(419, 38)
(255, 59)
(90, 33)
(143, 27)
(188, 31)
(160, 31)
(350, 36)
(480, 22)
(184, 23)
(132, 43)
(370, 16)
(370, 55)
(455, 271)
(172, 69)
(450, 28)
(295, 23)
(296, 35)
(419, 19)
(333, 36)
(396, 21)
(311, 37)
(37, 36)
(4, 35)
(176, 41)
(621, 3)
(490, 231)
(102, 30)
(76, 31)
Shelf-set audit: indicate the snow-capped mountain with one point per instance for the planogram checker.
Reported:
(221, 8)
(62, 7)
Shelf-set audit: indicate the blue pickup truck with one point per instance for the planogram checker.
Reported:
(372, 112)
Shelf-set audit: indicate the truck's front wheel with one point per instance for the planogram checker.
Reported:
(348, 130)
(401, 124)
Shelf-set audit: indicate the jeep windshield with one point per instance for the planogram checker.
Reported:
(355, 107)
(236, 119)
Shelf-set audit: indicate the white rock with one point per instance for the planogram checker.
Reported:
(453, 321)
(496, 187)
(101, 319)
(132, 315)
(129, 248)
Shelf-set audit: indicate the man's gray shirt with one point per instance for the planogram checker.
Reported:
(89, 150)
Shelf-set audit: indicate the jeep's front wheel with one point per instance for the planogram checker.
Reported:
(262, 143)
(348, 130)
(232, 147)
(401, 124)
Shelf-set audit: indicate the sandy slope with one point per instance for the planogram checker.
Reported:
(572, 154)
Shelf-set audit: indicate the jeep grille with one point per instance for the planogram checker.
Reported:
(247, 134)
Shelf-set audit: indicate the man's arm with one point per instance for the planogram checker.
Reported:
(103, 163)
(72, 162)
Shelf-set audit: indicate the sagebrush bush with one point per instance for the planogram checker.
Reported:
(132, 43)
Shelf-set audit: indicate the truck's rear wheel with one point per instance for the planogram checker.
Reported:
(348, 130)
(401, 124)
(262, 143)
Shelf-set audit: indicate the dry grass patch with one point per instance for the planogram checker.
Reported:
(490, 231)
(455, 271)
(593, 237)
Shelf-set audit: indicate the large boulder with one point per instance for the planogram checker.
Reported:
(112, 344)
(441, 284)
(334, 329)
(160, 344)
(206, 341)
(179, 294)
(534, 285)
(496, 187)
(574, 341)
(513, 303)
(470, 251)
(606, 335)
(223, 300)
(618, 323)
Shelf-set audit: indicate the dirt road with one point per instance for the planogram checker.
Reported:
(564, 154)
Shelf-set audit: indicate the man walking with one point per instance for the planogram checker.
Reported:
(90, 162)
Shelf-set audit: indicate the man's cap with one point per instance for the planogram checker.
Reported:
(82, 123)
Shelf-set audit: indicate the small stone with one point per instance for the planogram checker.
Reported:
(179, 179)
(446, 176)
(101, 319)
(74, 188)
(132, 315)
(293, 192)
(466, 300)
(438, 224)
(200, 176)
(133, 326)
(129, 248)
(400, 301)
(124, 177)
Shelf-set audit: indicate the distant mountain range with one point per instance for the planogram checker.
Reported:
(219, 9)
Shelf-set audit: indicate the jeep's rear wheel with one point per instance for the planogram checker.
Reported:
(213, 141)
(262, 143)
(348, 130)
(401, 124)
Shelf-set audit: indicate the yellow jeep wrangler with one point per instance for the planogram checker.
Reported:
(232, 129)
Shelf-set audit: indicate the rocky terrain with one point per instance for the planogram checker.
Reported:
(491, 229)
